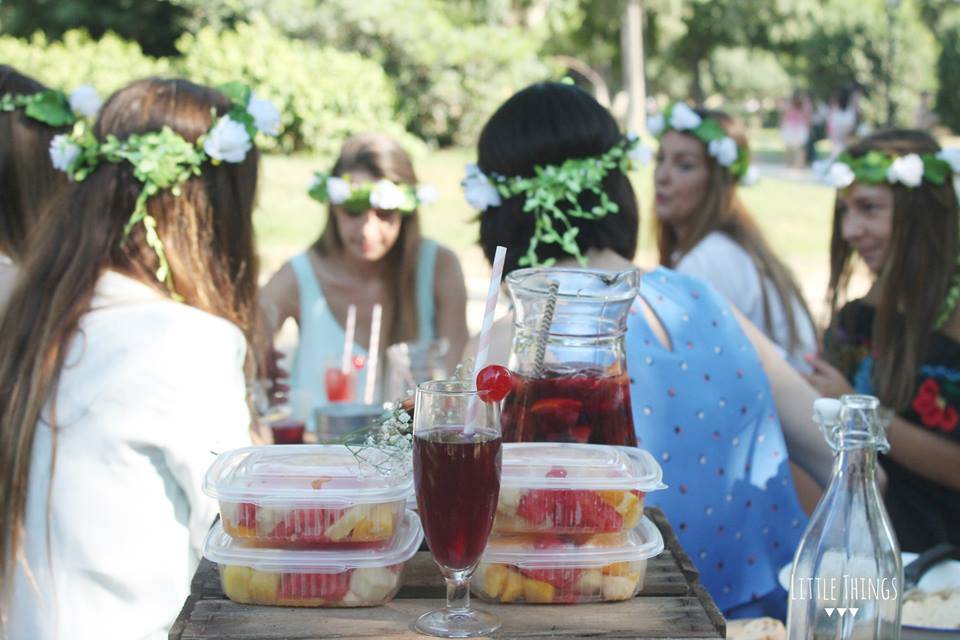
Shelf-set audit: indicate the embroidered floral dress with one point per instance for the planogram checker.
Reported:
(704, 408)
(924, 513)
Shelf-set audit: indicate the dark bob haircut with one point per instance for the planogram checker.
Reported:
(546, 124)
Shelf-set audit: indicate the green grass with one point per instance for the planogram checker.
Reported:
(795, 216)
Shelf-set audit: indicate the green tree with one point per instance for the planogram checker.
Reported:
(154, 25)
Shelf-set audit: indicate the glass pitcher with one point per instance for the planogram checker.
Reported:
(570, 372)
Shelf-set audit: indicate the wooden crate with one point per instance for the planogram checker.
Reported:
(672, 604)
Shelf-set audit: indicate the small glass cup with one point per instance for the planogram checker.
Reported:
(341, 384)
(456, 471)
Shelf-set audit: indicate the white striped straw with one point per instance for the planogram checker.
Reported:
(483, 343)
(373, 356)
(346, 363)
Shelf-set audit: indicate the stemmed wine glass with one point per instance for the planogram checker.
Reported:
(456, 467)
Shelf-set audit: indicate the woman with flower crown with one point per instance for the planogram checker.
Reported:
(708, 390)
(30, 116)
(370, 252)
(896, 208)
(704, 230)
(123, 370)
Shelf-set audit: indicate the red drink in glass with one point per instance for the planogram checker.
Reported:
(457, 476)
(587, 406)
(288, 431)
(341, 387)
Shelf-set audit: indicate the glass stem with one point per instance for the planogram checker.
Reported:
(458, 591)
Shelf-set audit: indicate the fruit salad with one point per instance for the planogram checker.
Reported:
(550, 569)
(305, 496)
(304, 526)
(573, 489)
(342, 577)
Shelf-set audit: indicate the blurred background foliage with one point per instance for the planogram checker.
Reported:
(431, 71)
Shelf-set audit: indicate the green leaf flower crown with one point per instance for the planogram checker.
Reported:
(877, 167)
(724, 149)
(910, 170)
(165, 160)
(53, 107)
(356, 198)
(552, 195)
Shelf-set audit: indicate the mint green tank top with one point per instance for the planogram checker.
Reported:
(322, 336)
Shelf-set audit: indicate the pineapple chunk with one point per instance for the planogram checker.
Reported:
(537, 591)
(492, 578)
(509, 501)
(513, 587)
(590, 583)
(377, 525)
(263, 586)
(373, 584)
(618, 588)
(352, 600)
(617, 569)
(627, 505)
(236, 582)
(340, 529)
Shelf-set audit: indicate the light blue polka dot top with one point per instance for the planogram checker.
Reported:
(704, 409)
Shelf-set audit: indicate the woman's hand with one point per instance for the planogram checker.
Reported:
(826, 379)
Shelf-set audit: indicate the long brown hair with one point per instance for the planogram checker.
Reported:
(723, 211)
(915, 276)
(382, 157)
(208, 236)
(28, 181)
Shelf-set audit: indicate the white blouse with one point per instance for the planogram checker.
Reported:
(150, 392)
(728, 267)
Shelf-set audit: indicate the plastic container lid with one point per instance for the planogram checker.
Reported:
(219, 547)
(561, 465)
(318, 475)
(543, 551)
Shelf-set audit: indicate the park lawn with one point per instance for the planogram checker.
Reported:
(795, 215)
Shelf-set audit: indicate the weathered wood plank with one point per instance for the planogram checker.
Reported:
(661, 617)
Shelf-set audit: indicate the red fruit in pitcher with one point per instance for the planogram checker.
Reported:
(494, 383)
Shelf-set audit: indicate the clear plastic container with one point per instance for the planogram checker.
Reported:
(541, 568)
(566, 488)
(343, 577)
(305, 496)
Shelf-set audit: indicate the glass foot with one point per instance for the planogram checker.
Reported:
(457, 623)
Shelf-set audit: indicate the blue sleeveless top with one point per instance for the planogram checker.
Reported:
(321, 336)
(705, 410)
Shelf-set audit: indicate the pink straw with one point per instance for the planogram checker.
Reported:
(374, 354)
(345, 363)
(483, 343)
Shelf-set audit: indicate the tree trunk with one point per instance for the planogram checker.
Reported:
(696, 82)
(631, 34)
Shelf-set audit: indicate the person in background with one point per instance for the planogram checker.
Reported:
(795, 129)
(708, 390)
(28, 181)
(843, 117)
(924, 117)
(703, 228)
(123, 372)
(896, 209)
(371, 251)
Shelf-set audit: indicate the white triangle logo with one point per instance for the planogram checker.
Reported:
(829, 611)
(841, 610)
(853, 611)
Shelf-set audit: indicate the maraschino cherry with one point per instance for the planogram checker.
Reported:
(494, 383)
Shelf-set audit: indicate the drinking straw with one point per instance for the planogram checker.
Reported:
(483, 343)
(373, 355)
(545, 323)
(345, 363)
